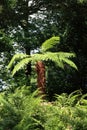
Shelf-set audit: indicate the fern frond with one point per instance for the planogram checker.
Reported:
(67, 54)
(36, 57)
(20, 65)
(69, 62)
(64, 57)
(59, 58)
(54, 57)
(50, 43)
(16, 57)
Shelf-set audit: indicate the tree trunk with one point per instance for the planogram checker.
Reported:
(41, 80)
(27, 46)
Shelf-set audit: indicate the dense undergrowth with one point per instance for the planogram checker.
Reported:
(25, 111)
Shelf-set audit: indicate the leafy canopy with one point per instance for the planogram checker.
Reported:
(59, 58)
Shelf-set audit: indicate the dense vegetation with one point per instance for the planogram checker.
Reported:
(25, 111)
(55, 33)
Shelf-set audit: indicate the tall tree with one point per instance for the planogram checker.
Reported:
(74, 22)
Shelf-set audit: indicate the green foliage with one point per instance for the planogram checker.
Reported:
(17, 57)
(67, 113)
(9, 114)
(50, 43)
(82, 1)
(58, 57)
(17, 109)
(59, 18)
(12, 3)
(5, 42)
(25, 111)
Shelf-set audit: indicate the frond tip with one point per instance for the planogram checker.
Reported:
(16, 57)
(50, 43)
(21, 65)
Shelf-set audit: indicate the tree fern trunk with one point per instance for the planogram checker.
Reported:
(41, 80)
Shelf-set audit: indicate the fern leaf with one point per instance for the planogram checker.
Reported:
(54, 57)
(45, 57)
(20, 65)
(36, 57)
(70, 63)
(16, 57)
(67, 54)
(58, 58)
(50, 43)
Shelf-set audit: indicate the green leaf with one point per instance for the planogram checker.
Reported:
(16, 57)
(59, 58)
(21, 65)
(70, 63)
(50, 43)
(67, 54)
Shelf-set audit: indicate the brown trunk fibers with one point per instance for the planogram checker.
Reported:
(41, 80)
